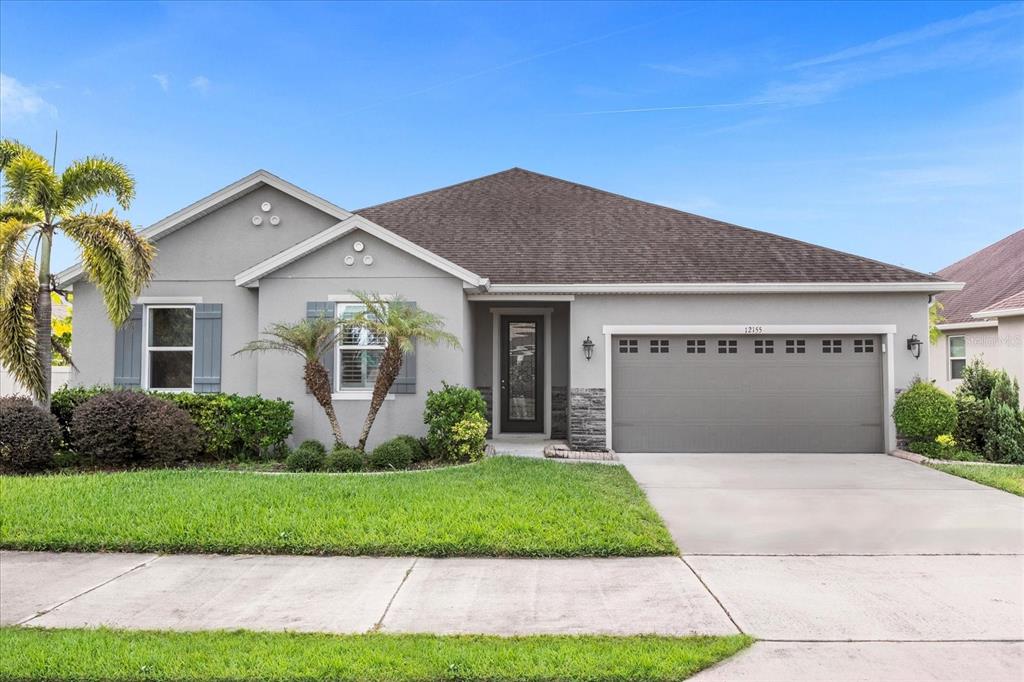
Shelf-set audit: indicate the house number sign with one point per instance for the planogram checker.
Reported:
(756, 329)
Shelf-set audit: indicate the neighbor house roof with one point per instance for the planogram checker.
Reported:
(517, 227)
(991, 275)
(1011, 305)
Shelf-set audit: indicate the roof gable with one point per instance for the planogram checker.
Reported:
(520, 227)
(990, 275)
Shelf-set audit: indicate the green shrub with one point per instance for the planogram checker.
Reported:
(344, 458)
(417, 446)
(971, 421)
(28, 436)
(923, 412)
(469, 438)
(391, 454)
(926, 448)
(309, 456)
(445, 409)
(977, 380)
(1004, 438)
(232, 426)
(131, 428)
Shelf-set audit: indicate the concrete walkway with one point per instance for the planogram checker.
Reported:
(849, 567)
(357, 594)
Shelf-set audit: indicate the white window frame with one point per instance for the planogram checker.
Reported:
(949, 354)
(350, 393)
(146, 348)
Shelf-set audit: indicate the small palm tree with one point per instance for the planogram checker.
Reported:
(39, 203)
(399, 324)
(310, 339)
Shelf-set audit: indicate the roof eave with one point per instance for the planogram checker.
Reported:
(998, 312)
(929, 287)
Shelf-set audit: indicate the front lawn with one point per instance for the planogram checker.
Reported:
(31, 654)
(502, 506)
(1008, 478)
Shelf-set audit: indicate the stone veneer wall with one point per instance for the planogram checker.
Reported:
(488, 395)
(586, 419)
(559, 412)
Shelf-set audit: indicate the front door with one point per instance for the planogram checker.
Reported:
(522, 374)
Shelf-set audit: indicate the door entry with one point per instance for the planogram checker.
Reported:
(522, 374)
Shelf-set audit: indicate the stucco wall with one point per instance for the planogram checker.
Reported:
(999, 347)
(283, 296)
(202, 259)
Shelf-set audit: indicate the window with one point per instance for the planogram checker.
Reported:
(957, 356)
(831, 346)
(359, 351)
(629, 346)
(796, 346)
(763, 346)
(170, 331)
(727, 346)
(695, 346)
(659, 345)
(863, 345)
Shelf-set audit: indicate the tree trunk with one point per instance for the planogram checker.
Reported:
(44, 311)
(319, 384)
(390, 364)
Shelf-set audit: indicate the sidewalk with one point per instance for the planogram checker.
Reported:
(358, 594)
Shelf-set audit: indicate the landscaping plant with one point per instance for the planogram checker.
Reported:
(445, 409)
(400, 324)
(344, 458)
(309, 456)
(38, 204)
(469, 438)
(28, 436)
(394, 454)
(989, 419)
(416, 446)
(923, 412)
(310, 339)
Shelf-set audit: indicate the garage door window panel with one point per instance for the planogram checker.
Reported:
(659, 346)
(696, 346)
(831, 346)
(764, 346)
(629, 346)
(796, 346)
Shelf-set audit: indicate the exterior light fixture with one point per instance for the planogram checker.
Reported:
(588, 348)
(914, 345)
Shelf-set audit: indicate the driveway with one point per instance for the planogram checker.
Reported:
(849, 566)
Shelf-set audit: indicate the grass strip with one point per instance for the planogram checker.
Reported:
(1008, 478)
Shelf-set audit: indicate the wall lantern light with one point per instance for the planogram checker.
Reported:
(914, 345)
(588, 348)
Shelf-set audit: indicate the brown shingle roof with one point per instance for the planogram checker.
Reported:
(1008, 303)
(519, 227)
(990, 275)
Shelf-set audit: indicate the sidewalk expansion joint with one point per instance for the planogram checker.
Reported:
(713, 595)
(380, 623)
(37, 614)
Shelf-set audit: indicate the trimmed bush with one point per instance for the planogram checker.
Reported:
(130, 428)
(391, 454)
(309, 456)
(445, 409)
(417, 446)
(923, 412)
(28, 436)
(469, 437)
(232, 426)
(344, 458)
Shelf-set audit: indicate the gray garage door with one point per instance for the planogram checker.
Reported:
(747, 394)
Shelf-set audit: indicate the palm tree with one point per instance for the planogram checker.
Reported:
(38, 204)
(399, 324)
(310, 339)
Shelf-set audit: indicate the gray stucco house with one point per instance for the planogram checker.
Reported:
(706, 336)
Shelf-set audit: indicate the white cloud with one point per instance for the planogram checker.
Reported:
(18, 100)
(200, 84)
(164, 80)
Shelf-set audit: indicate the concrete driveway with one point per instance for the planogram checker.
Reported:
(849, 566)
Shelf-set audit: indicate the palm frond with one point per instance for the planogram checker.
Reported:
(84, 180)
(9, 149)
(138, 250)
(18, 329)
(401, 323)
(106, 263)
(12, 237)
(30, 181)
(25, 214)
(62, 350)
(309, 338)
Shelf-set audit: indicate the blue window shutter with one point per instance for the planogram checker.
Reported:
(206, 359)
(128, 351)
(315, 309)
(405, 382)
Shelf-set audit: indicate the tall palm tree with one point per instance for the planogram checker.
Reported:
(399, 324)
(310, 339)
(38, 203)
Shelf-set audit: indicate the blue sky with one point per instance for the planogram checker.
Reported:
(892, 130)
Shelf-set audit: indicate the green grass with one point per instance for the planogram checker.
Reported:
(1008, 478)
(502, 506)
(33, 654)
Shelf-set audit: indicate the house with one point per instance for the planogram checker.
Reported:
(986, 318)
(582, 314)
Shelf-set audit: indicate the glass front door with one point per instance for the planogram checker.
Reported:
(522, 374)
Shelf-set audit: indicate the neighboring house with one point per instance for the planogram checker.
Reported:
(582, 314)
(986, 318)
